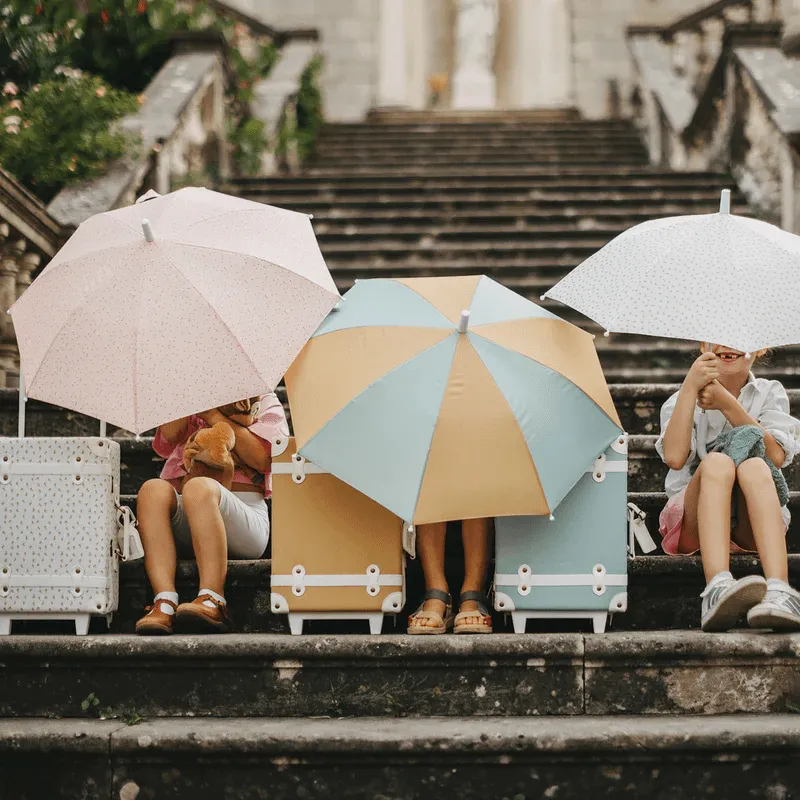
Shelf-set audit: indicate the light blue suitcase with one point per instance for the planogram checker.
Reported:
(574, 565)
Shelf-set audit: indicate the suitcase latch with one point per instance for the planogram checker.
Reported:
(599, 469)
(298, 468)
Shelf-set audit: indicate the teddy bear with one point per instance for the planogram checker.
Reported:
(208, 453)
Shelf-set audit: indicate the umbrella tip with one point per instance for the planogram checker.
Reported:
(463, 323)
(542, 298)
(606, 334)
(552, 518)
(148, 231)
(725, 201)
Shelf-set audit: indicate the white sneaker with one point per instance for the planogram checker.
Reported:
(779, 610)
(725, 600)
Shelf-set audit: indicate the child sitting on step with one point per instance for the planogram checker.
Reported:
(203, 516)
(732, 500)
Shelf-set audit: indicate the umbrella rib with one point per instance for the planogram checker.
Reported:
(219, 316)
(217, 249)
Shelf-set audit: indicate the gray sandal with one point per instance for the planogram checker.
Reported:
(484, 626)
(445, 623)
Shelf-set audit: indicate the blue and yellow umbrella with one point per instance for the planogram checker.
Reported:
(451, 398)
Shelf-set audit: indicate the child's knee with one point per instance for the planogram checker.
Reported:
(754, 470)
(200, 491)
(719, 467)
(155, 493)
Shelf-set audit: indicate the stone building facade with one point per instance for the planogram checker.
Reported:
(403, 53)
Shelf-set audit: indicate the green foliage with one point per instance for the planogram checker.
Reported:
(309, 108)
(61, 131)
(126, 42)
(249, 72)
(31, 47)
(302, 128)
(249, 140)
(91, 705)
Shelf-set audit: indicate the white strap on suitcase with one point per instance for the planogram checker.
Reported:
(637, 532)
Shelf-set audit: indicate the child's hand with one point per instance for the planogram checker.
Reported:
(702, 372)
(715, 397)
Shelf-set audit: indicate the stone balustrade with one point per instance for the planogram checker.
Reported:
(28, 236)
(179, 131)
(715, 91)
(275, 100)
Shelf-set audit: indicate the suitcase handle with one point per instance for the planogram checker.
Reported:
(131, 543)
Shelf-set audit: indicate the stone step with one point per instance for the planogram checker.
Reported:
(521, 167)
(540, 203)
(506, 159)
(497, 178)
(395, 675)
(663, 593)
(474, 146)
(479, 154)
(403, 759)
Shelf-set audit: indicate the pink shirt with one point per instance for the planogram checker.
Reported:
(270, 423)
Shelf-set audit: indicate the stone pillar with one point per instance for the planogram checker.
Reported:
(392, 55)
(474, 82)
(543, 54)
(9, 369)
(417, 34)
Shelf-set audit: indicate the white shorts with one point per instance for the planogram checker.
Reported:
(246, 521)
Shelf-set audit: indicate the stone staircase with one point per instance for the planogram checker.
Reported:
(652, 709)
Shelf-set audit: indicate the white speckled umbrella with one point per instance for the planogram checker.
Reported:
(171, 307)
(717, 278)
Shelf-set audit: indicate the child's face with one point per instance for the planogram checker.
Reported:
(730, 362)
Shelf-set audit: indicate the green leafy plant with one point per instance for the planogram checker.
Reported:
(32, 46)
(91, 705)
(249, 140)
(61, 131)
(310, 114)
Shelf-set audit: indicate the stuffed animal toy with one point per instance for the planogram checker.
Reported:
(208, 453)
(244, 413)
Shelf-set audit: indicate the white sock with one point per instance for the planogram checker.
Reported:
(164, 608)
(218, 597)
(725, 575)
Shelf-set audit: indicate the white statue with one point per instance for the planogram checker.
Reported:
(476, 30)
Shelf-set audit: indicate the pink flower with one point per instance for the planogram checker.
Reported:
(17, 104)
(36, 87)
(14, 129)
(100, 91)
(10, 88)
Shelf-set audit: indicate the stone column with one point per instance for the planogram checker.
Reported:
(474, 82)
(392, 55)
(543, 73)
(8, 294)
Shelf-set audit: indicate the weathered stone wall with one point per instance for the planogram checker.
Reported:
(600, 53)
(349, 32)
(756, 156)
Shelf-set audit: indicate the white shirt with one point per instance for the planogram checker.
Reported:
(773, 417)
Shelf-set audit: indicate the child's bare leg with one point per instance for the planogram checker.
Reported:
(717, 475)
(430, 545)
(201, 498)
(475, 534)
(762, 518)
(155, 505)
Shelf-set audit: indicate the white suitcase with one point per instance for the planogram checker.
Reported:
(62, 530)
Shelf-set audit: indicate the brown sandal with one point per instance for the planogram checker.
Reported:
(445, 622)
(482, 611)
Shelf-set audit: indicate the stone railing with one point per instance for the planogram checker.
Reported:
(715, 91)
(28, 236)
(179, 131)
(275, 100)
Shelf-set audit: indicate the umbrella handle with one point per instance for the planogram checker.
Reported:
(702, 431)
(23, 398)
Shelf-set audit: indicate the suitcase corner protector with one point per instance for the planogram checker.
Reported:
(619, 602)
(278, 604)
(503, 602)
(393, 603)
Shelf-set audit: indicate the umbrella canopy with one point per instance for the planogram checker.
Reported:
(450, 398)
(173, 306)
(707, 277)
